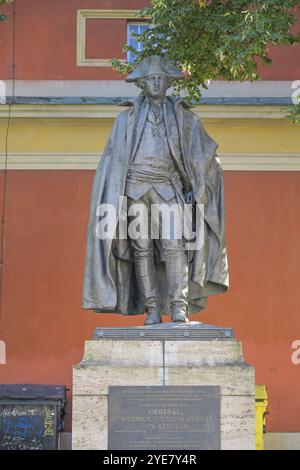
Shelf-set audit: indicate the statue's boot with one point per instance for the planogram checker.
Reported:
(179, 316)
(148, 284)
(153, 318)
(177, 276)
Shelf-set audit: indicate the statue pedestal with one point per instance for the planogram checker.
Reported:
(163, 355)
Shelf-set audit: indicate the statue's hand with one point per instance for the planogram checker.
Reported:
(189, 197)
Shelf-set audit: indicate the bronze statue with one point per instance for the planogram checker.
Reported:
(158, 153)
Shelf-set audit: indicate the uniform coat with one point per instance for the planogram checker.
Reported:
(110, 284)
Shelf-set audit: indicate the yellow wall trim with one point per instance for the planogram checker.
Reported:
(222, 112)
(89, 161)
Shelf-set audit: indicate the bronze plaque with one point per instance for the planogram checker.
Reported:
(170, 417)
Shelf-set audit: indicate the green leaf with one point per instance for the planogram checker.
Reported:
(222, 40)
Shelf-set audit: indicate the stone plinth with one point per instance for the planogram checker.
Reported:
(181, 355)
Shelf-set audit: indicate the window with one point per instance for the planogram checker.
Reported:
(138, 28)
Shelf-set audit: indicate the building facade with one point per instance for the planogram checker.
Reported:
(59, 99)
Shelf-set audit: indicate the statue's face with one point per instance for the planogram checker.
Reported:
(156, 86)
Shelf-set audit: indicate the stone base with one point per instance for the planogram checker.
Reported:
(177, 358)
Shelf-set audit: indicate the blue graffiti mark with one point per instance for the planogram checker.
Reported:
(29, 426)
(5, 425)
(23, 426)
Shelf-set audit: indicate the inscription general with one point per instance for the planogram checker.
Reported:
(171, 417)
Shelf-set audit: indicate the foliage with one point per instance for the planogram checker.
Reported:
(2, 16)
(294, 113)
(215, 39)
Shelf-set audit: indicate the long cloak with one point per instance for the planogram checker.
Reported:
(110, 284)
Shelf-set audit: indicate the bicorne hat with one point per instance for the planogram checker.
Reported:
(155, 65)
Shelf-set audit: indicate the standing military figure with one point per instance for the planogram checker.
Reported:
(158, 154)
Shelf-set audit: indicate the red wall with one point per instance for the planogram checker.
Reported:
(44, 326)
(46, 42)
